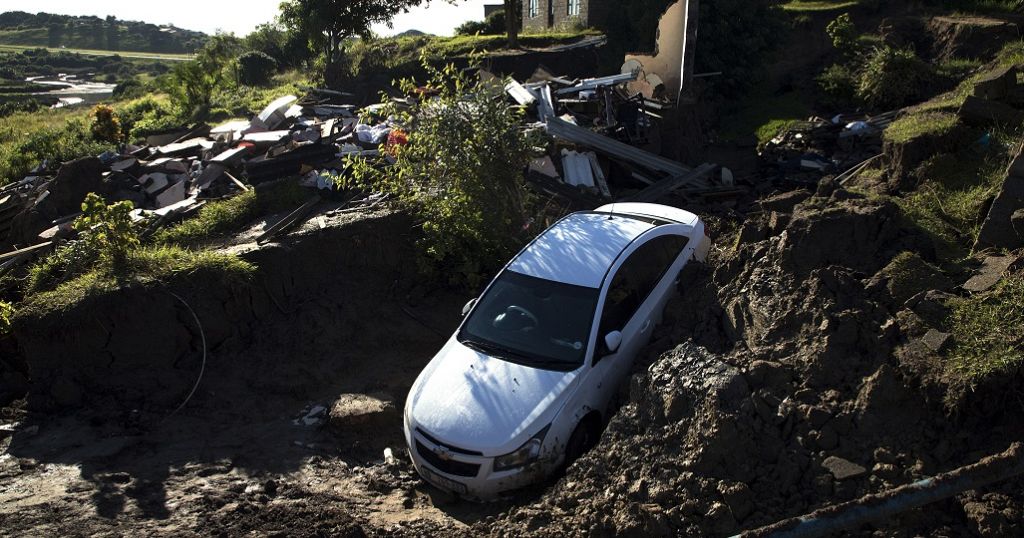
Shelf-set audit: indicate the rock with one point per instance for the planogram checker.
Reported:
(817, 416)
(777, 222)
(998, 84)
(982, 112)
(885, 406)
(361, 412)
(883, 455)
(843, 469)
(75, 180)
(990, 273)
(936, 341)
(770, 375)
(886, 471)
(784, 203)
(1017, 221)
(969, 36)
(752, 231)
(739, 498)
(931, 307)
(998, 229)
(853, 235)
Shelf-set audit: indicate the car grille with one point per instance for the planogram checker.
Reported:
(454, 449)
(452, 467)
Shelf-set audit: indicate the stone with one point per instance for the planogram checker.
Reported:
(784, 203)
(981, 112)
(936, 341)
(1017, 221)
(998, 84)
(75, 180)
(361, 412)
(843, 469)
(990, 273)
(998, 230)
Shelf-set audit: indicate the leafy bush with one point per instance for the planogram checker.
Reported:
(107, 229)
(843, 34)
(256, 68)
(839, 84)
(893, 78)
(105, 124)
(128, 89)
(461, 174)
(493, 25)
(6, 313)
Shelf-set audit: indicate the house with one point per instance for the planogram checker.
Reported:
(539, 15)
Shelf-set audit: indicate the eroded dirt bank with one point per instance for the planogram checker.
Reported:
(787, 376)
(100, 451)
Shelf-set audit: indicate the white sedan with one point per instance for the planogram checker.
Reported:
(526, 383)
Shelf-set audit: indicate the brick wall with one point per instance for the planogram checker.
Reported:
(555, 14)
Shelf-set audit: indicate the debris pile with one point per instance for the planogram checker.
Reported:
(606, 142)
(809, 150)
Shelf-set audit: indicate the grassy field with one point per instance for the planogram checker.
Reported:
(90, 52)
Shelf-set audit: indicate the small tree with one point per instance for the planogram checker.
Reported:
(326, 24)
(255, 68)
(106, 126)
(461, 173)
(843, 34)
(892, 78)
(108, 230)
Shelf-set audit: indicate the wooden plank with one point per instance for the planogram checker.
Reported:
(34, 248)
(691, 179)
(293, 218)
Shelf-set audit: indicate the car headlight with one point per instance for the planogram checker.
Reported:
(526, 454)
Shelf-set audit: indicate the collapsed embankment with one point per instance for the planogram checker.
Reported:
(784, 395)
(139, 347)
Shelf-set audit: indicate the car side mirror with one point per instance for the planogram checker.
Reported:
(613, 340)
(469, 306)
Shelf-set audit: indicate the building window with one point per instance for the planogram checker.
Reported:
(534, 8)
(574, 8)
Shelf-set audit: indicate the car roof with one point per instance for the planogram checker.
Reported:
(580, 248)
(657, 211)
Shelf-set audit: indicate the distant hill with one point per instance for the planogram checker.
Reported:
(47, 30)
(411, 33)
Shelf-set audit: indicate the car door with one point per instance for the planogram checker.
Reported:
(632, 301)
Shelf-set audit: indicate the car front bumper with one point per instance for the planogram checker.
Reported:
(469, 476)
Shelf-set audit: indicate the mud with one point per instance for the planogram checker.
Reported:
(784, 380)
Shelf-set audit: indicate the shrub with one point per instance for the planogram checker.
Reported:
(843, 34)
(6, 313)
(256, 68)
(105, 124)
(839, 84)
(892, 78)
(128, 89)
(107, 230)
(461, 174)
(493, 25)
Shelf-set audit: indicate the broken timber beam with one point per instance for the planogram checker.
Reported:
(882, 506)
(34, 248)
(562, 129)
(694, 178)
(293, 218)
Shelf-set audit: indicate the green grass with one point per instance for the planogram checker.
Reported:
(225, 216)
(386, 54)
(97, 52)
(987, 331)
(763, 116)
(915, 125)
(819, 5)
(953, 190)
(147, 265)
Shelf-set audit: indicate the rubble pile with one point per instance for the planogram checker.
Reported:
(809, 150)
(171, 176)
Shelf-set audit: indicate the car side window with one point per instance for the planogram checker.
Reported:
(636, 279)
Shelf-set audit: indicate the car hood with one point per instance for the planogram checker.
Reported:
(477, 402)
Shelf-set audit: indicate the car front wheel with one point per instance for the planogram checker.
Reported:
(582, 439)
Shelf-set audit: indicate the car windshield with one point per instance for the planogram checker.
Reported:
(532, 321)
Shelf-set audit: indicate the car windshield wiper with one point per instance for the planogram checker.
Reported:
(492, 349)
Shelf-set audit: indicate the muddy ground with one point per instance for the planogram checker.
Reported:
(779, 354)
